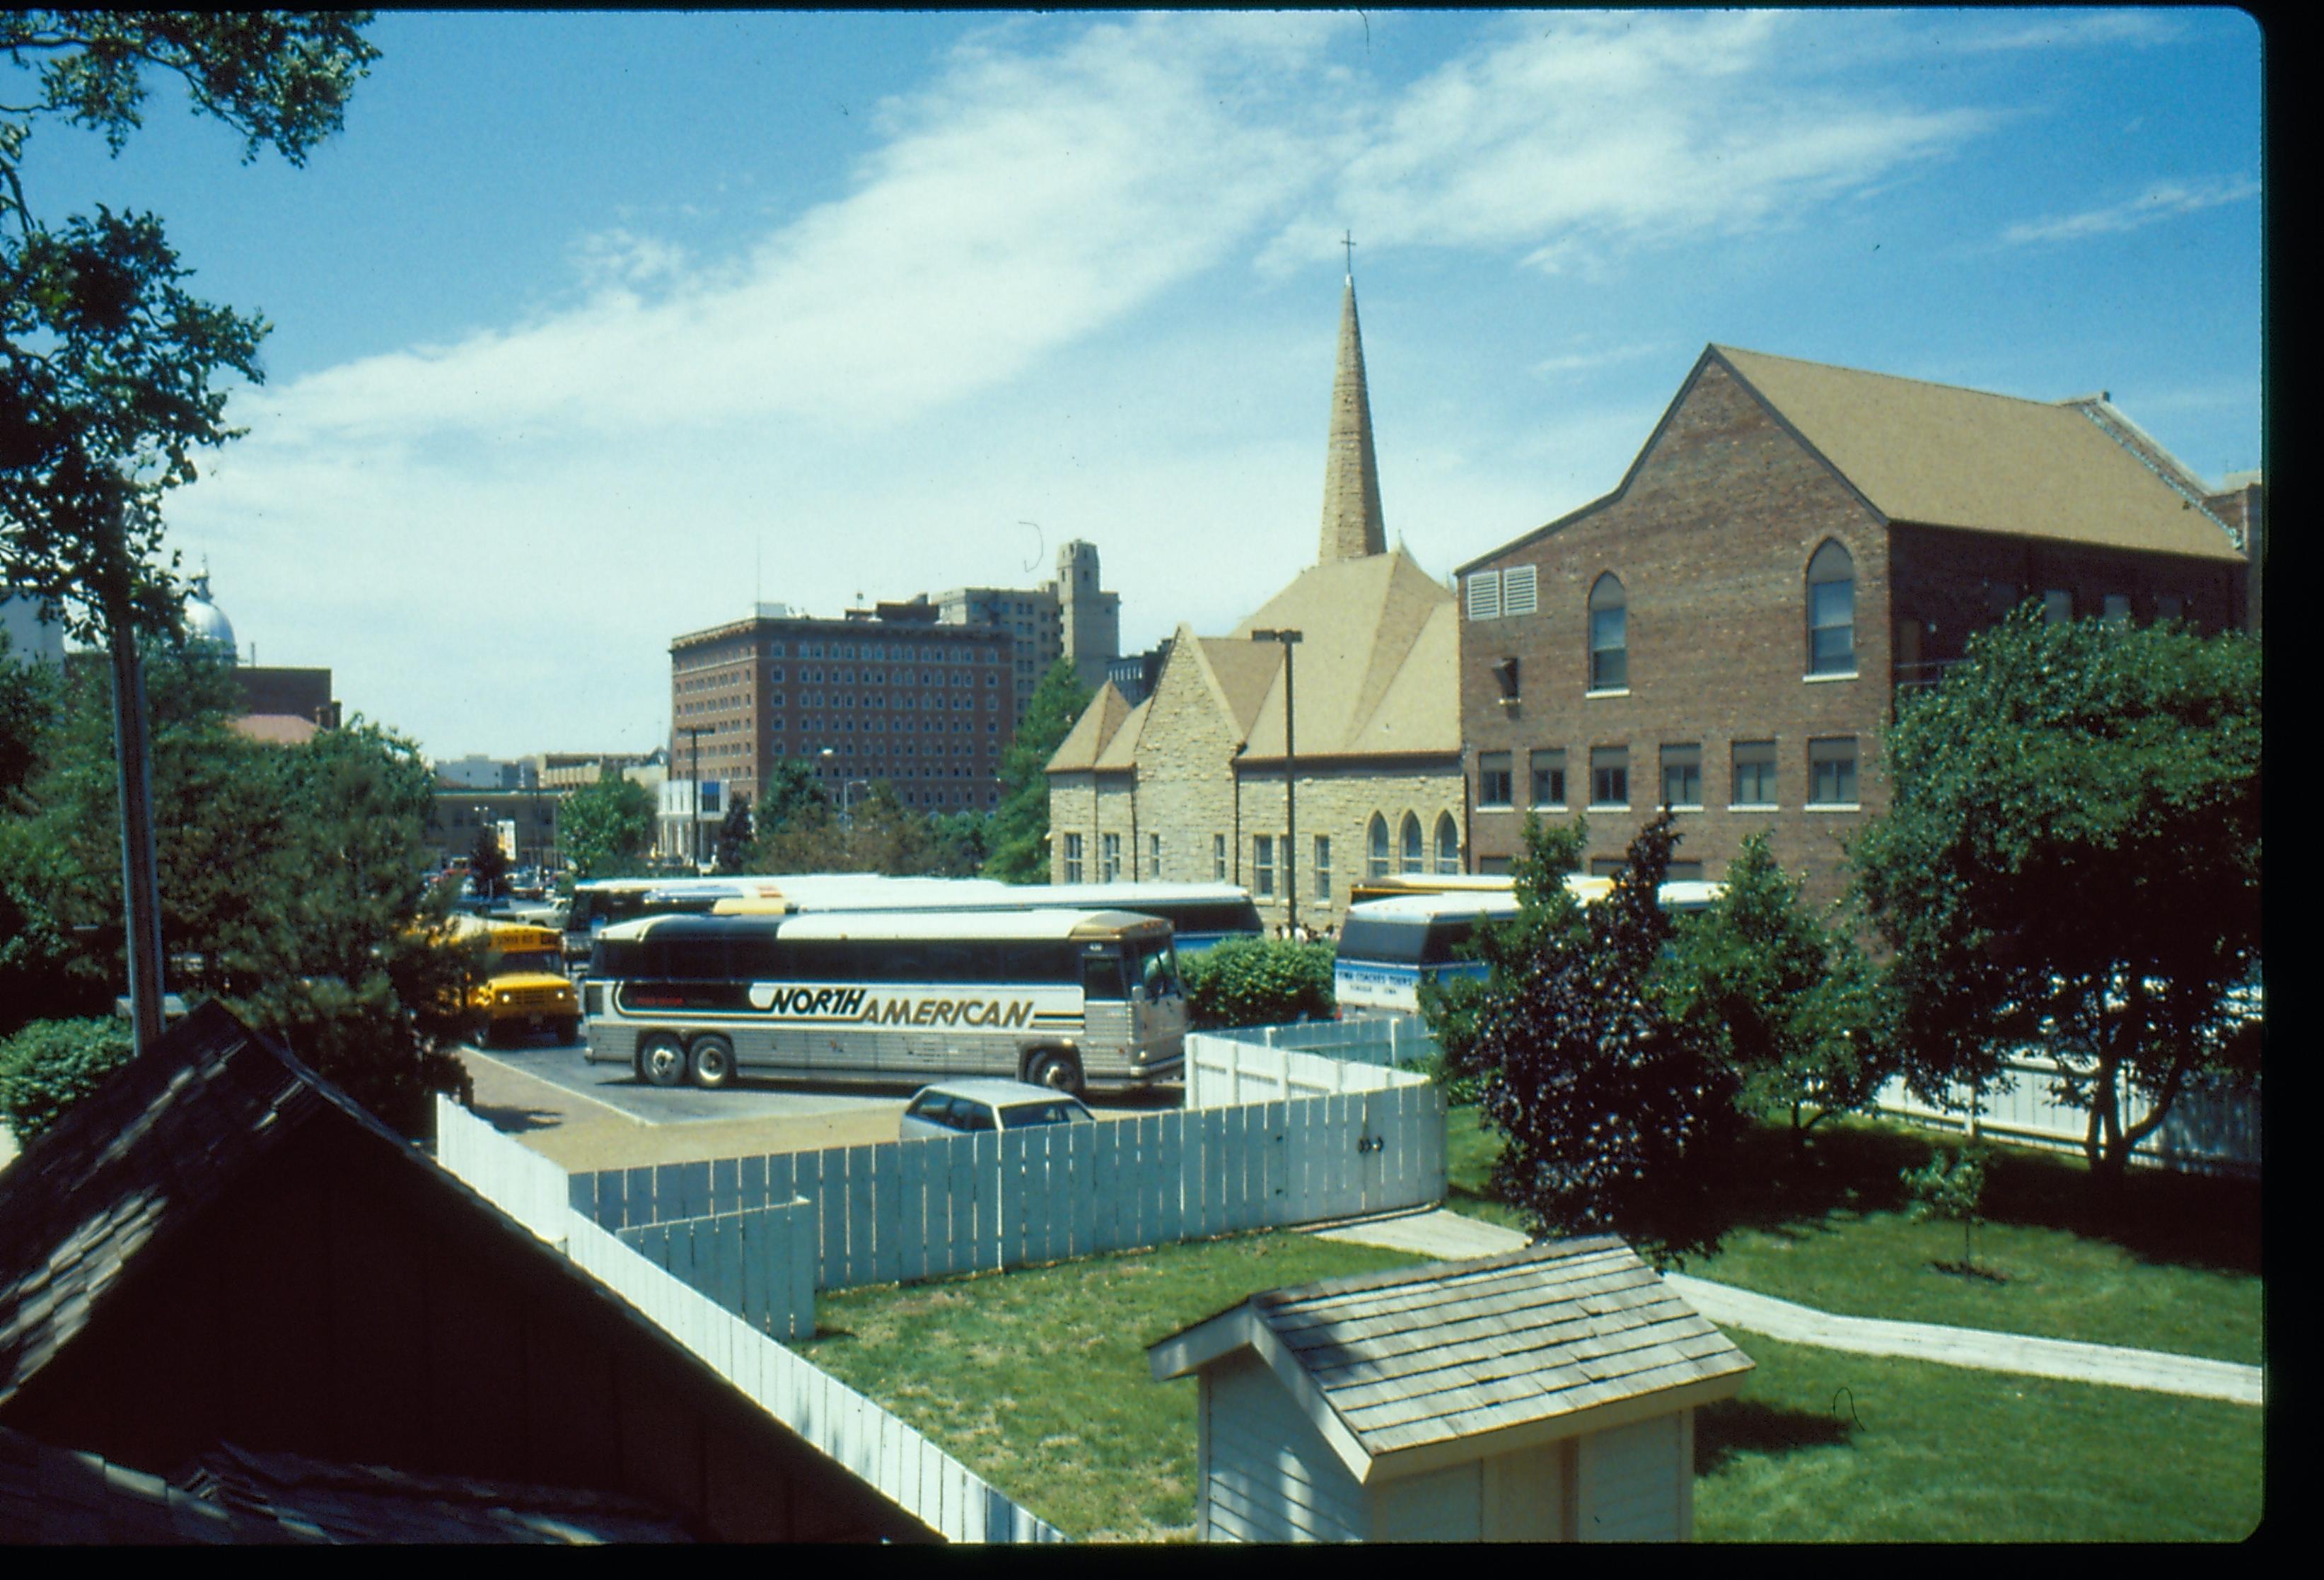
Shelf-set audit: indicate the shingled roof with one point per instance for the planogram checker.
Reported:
(1936, 454)
(1404, 1371)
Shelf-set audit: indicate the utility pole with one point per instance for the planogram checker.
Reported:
(140, 884)
(693, 812)
(1290, 639)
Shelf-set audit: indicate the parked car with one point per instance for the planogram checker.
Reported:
(952, 1108)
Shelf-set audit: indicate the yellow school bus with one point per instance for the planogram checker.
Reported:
(524, 988)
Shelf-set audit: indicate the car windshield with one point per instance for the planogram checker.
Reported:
(1056, 1111)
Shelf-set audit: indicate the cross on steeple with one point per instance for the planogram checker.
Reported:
(1347, 240)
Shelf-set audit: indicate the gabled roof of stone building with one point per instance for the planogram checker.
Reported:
(1121, 752)
(1243, 671)
(1092, 733)
(1936, 454)
(1453, 1361)
(1378, 667)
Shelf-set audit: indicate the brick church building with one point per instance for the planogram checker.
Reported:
(1727, 632)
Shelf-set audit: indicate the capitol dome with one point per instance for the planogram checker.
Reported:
(206, 623)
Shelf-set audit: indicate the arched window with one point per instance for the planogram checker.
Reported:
(1831, 611)
(1448, 844)
(1415, 854)
(1609, 635)
(1376, 842)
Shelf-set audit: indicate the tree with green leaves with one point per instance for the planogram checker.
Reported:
(734, 836)
(1612, 1118)
(2070, 866)
(292, 887)
(109, 369)
(1790, 1002)
(487, 861)
(607, 827)
(1257, 981)
(1020, 827)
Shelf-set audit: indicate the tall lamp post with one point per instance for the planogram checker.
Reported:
(1290, 639)
(693, 812)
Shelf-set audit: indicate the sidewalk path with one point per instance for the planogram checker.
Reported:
(1449, 1236)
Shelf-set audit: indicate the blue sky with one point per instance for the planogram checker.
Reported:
(588, 326)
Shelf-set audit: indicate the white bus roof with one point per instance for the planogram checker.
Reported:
(1427, 907)
(921, 924)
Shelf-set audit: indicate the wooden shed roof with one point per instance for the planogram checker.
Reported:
(1403, 1371)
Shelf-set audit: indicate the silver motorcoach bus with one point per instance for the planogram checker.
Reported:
(1063, 998)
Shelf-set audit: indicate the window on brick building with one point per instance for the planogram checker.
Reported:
(1683, 776)
(1610, 776)
(1415, 853)
(1073, 858)
(1831, 611)
(1549, 778)
(1754, 774)
(1609, 635)
(1262, 863)
(2115, 610)
(2170, 606)
(1604, 866)
(1322, 867)
(2058, 606)
(1448, 844)
(1219, 858)
(1832, 771)
(1376, 863)
(1493, 776)
(1109, 871)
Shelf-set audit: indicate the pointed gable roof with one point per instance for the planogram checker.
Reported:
(1362, 623)
(1936, 454)
(1100, 722)
(1354, 526)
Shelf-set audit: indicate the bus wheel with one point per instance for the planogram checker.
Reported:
(713, 1062)
(662, 1062)
(1056, 1070)
(568, 1029)
(480, 1030)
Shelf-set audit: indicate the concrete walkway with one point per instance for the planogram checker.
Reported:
(1449, 1236)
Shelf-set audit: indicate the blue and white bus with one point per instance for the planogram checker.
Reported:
(1387, 945)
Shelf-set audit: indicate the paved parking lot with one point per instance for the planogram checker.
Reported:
(583, 1116)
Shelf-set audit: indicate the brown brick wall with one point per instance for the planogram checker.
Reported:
(1712, 540)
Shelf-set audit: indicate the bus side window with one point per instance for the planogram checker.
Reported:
(1101, 977)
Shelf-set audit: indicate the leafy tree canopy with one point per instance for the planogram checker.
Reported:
(1257, 981)
(607, 827)
(1790, 1002)
(111, 373)
(2071, 866)
(1613, 1119)
(1020, 824)
(734, 848)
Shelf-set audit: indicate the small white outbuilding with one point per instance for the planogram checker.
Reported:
(1545, 1395)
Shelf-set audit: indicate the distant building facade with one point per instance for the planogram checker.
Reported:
(1069, 617)
(30, 638)
(1728, 631)
(925, 706)
(1351, 734)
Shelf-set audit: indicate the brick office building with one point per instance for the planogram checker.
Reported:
(1726, 631)
(890, 694)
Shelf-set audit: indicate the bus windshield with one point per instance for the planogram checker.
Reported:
(512, 961)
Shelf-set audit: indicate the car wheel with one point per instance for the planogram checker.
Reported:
(1059, 1071)
(713, 1062)
(662, 1062)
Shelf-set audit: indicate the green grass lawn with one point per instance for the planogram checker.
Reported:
(2179, 1271)
(1916, 1452)
(1037, 1380)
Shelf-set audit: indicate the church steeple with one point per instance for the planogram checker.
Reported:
(1352, 527)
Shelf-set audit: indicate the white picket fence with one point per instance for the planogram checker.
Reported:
(870, 1443)
(1257, 1063)
(2210, 1129)
(898, 1212)
(1380, 1039)
(758, 1264)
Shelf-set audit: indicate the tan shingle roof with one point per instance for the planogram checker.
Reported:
(1091, 733)
(1939, 456)
(1121, 750)
(1426, 1356)
(1378, 665)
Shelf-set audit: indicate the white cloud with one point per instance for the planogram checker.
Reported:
(2164, 200)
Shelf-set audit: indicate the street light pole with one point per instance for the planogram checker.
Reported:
(693, 812)
(1290, 639)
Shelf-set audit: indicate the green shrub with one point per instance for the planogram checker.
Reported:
(1257, 981)
(49, 1065)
